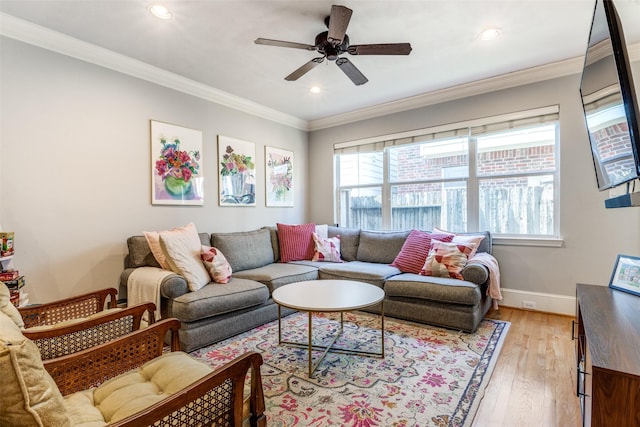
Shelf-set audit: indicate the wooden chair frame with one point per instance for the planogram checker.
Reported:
(83, 305)
(57, 341)
(216, 399)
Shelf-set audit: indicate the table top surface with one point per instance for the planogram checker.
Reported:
(328, 295)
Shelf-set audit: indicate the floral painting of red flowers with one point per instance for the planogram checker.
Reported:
(279, 176)
(236, 162)
(176, 158)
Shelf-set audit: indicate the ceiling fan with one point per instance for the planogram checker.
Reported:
(333, 43)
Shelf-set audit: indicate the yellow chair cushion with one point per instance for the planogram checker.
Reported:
(152, 382)
(29, 395)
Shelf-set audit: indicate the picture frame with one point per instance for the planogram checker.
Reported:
(278, 177)
(236, 172)
(177, 176)
(626, 274)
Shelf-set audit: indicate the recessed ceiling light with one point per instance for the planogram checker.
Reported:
(490, 34)
(314, 89)
(159, 11)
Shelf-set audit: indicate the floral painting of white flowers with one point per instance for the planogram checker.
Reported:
(279, 176)
(176, 165)
(236, 161)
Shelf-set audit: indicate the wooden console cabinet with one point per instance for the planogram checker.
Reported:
(608, 356)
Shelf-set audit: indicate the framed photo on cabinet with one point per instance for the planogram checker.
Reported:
(626, 274)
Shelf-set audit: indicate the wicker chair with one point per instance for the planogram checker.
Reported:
(66, 309)
(78, 334)
(215, 398)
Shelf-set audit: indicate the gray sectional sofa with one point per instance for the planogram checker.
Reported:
(219, 311)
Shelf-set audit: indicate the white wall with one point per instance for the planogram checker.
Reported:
(593, 235)
(75, 167)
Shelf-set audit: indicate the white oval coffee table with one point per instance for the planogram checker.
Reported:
(328, 296)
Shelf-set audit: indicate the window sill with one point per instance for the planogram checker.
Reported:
(550, 242)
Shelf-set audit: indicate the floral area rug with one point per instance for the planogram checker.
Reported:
(429, 377)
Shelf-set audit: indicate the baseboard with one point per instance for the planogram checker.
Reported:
(549, 303)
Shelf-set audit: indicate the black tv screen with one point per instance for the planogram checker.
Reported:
(609, 100)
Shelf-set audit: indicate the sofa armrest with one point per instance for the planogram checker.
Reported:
(172, 286)
(93, 366)
(207, 398)
(475, 273)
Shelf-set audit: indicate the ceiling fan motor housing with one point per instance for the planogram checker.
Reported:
(328, 49)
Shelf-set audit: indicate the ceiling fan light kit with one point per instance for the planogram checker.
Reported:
(333, 43)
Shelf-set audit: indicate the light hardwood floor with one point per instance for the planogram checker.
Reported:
(534, 380)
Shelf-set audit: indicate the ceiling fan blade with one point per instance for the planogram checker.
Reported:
(351, 71)
(380, 49)
(280, 43)
(338, 23)
(304, 69)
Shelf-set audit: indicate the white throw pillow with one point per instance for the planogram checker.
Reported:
(181, 247)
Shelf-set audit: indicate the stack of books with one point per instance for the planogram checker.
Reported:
(15, 282)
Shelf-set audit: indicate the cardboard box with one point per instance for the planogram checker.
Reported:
(6, 243)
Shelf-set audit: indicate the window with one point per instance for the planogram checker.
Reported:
(498, 174)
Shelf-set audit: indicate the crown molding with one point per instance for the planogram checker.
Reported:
(27, 32)
(45, 38)
(478, 87)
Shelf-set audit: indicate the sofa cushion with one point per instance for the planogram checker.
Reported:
(279, 274)
(214, 299)
(415, 250)
(29, 395)
(154, 381)
(380, 246)
(441, 289)
(373, 273)
(140, 254)
(181, 247)
(245, 249)
(275, 245)
(349, 241)
(296, 242)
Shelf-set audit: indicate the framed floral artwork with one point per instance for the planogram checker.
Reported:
(176, 160)
(236, 162)
(278, 176)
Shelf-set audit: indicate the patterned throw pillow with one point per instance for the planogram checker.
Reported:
(446, 259)
(216, 264)
(327, 250)
(415, 249)
(463, 238)
(296, 242)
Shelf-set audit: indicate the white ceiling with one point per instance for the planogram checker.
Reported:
(211, 42)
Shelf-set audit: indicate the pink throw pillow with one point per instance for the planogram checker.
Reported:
(216, 264)
(327, 250)
(296, 242)
(446, 259)
(415, 249)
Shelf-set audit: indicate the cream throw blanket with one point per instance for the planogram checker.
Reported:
(143, 285)
(491, 263)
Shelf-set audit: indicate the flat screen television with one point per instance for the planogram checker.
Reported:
(610, 101)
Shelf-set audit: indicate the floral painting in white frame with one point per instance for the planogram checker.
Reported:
(278, 176)
(176, 159)
(236, 162)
